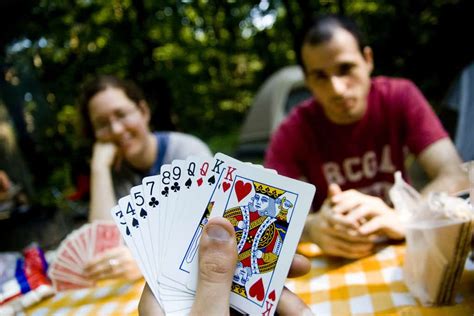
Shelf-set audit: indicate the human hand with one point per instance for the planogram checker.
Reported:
(336, 240)
(103, 155)
(5, 183)
(114, 263)
(367, 214)
(217, 258)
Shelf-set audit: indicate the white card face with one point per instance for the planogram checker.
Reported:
(268, 212)
(177, 177)
(151, 190)
(186, 234)
(119, 219)
(140, 225)
(187, 193)
(165, 183)
(130, 216)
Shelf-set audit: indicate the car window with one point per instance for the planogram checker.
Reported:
(295, 96)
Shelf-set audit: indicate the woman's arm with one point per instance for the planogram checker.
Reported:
(102, 196)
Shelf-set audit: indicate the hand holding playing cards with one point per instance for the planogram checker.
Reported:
(114, 263)
(168, 219)
(92, 252)
(217, 257)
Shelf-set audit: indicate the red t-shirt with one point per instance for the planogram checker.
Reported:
(363, 155)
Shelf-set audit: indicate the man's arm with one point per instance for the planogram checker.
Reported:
(442, 164)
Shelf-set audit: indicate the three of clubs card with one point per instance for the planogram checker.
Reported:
(162, 220)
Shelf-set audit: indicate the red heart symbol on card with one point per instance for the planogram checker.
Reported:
(257, 290)
(242, 189)
(199, 181)
(225, 186)
(272, 296)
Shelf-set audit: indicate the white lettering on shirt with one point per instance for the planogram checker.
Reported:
(354, 169)
(351, 166)
(332, 173)
(369, 164)
(387, 165)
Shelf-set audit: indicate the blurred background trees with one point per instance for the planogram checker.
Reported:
(199, 62)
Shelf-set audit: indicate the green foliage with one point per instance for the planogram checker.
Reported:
(210, 56)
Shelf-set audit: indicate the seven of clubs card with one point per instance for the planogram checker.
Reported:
(162, 220)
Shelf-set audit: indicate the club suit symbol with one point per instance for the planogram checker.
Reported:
(175, 187)
(154, 202)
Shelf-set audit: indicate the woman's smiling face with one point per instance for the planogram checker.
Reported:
(118, 119)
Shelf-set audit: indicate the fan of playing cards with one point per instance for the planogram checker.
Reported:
(79, 247)
(162, 220)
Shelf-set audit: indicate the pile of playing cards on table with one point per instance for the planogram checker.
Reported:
(162, 220)
(79, 247)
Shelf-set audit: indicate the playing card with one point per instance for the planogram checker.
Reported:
(151, 191)
(129, 215)
(106, 235)
(187, 232)
(268, 212)
(141, 225)
(119, 219)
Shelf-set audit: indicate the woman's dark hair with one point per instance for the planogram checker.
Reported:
(98, 84)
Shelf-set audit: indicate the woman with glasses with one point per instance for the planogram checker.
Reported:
(116, 115)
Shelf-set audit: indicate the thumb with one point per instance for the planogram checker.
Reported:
(217, 259)
(334, 189)
(290, 304)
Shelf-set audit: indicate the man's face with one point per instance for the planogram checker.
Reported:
(338, 75)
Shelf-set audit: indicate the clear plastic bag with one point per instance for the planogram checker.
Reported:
(438, 238)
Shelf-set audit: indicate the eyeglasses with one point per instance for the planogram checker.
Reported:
(103, 128)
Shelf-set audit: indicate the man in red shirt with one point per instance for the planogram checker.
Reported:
(352, 136)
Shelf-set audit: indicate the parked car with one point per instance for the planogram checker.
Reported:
(273, 101)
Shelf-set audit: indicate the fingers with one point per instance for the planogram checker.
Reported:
(148, 305)
(338, 242)
(114, 263)
(389, 224)
(345, 234)
(339, 247)
(346, 201)
(333, 190)
(360, 213)
(103, 269)
(217, 258)
(291, 304)
(104, 154)
(299, 266)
